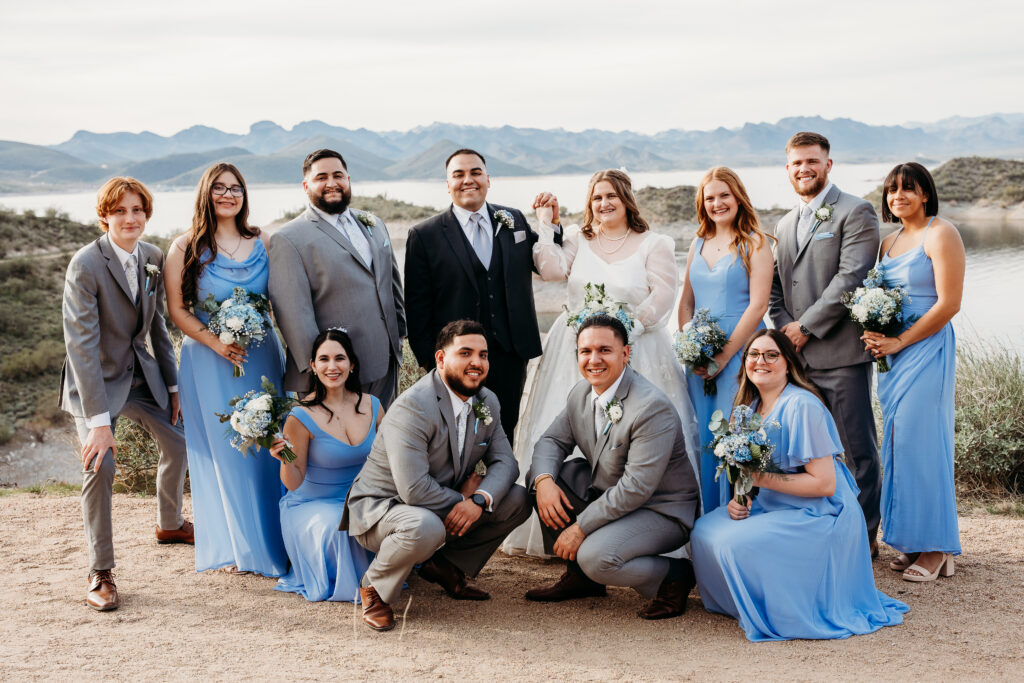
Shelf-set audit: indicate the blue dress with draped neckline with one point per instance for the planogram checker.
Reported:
(234, 497)
(327, 564)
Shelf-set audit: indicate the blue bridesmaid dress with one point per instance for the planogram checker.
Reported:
(326, 563)
(797, 567)
(234, 497)
(918, 491)
(725, 291)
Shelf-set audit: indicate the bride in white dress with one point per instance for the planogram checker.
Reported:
(616, 248)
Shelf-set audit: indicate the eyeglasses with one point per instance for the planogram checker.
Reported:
(220, 189)
(769, 357)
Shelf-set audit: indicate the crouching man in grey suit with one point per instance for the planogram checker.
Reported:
(632, 497)
(120, 362)
(417, 498)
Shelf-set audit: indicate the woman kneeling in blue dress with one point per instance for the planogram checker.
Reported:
(330, 432)
(795, 562)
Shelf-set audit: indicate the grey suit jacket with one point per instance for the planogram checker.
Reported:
(810, 279)
(106, 332)
(639, 462)
(318, 280)
(415, 458)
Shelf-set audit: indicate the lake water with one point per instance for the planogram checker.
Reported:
(995, 252)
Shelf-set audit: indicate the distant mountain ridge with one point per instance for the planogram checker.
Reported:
(270, 153)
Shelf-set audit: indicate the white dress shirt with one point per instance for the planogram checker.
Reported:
(348, 225)
(601, 401)
(462, 215)
(458, 408)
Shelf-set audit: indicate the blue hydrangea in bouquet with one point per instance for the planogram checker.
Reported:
(876, 307)
(698, 342)
(741, 447)
(240, 319)
(596, 300)
(257, 418)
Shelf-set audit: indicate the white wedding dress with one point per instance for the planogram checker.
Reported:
(647, 281)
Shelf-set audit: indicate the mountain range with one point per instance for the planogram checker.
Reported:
(269, 153)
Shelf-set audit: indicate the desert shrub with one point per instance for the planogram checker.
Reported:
(989, 418)
(6, 431)
(137, 458)
(410, 372)
(45, 357)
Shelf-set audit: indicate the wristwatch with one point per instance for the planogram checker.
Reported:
(804, 331)
(480, 500)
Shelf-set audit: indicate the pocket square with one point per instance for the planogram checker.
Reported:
(615, 446)
(483, 443)
(519, 235)
(823, 235)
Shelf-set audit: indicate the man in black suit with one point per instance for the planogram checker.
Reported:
(475, 261)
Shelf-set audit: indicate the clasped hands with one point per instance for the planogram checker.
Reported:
(551, 505)
(546, 205)
(878, 345)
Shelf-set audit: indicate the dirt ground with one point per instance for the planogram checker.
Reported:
(176, 624)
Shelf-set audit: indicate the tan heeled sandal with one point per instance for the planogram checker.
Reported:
(903, 562)
(946, 568)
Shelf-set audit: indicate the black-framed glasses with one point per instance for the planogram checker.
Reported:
(769, 357)
(220, 189)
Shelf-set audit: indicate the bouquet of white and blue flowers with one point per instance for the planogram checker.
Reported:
(257, 418)
(240, 319)
(596, 300)
(698, 342)
(741, 447)
(878, 308)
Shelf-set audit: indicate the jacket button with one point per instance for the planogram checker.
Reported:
(795, 283)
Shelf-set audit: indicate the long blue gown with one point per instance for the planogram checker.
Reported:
(918, 492)
(725, 291)
(326, 563)
(797, 567)
(234, 497)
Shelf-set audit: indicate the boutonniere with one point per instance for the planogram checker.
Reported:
(368, 220)
(504, 219)
(482, 414)
(152, 270)
(613, 411)
(824, 213)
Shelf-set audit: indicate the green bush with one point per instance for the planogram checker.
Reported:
(137, 458)
(46, 357)
(410, 372)
(989, 419)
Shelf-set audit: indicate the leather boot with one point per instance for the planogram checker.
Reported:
(376, 613)
(673, 592)
(573, 584)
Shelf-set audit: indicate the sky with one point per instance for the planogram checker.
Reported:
(390, 65)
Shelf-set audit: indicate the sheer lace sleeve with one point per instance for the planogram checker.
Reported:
(662, 281)
(554, 262)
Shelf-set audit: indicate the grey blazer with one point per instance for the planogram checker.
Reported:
(414, 458)
(639, 462)
(106, 332)
(810, 280)
(318, 280)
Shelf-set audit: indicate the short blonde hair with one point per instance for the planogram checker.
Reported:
(114, 190)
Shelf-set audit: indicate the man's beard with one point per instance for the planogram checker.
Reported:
(819, 184)
(331, 207)
(456, 385)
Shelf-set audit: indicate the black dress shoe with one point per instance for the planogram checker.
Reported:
(452, 579)
(673, 592)
(573, 584)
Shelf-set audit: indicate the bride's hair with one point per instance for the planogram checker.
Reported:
(746, 391)
(623, 188)
(747, 225)
(204, 227)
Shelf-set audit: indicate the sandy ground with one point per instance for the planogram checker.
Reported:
(174, 623)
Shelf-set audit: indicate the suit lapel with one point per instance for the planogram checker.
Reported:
(831, 198)
(115, 268)
(453, 233)
(445, 404)
(506, 237)
(335, 234)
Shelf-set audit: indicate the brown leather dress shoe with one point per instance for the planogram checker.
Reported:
(102, 595)
(573, 584)
(452, 579)
(376, 613)
(186, 534)
(672, 594)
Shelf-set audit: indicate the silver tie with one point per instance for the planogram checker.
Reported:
(355, 235)
(600, 417)
(481, 240)
(131, 271)
(463, 416)
(806, 222)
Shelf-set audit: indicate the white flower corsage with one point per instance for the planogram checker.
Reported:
(824, 213)
(367, 219)
(483, 414)
(504, 219)
(613, 411)
(152, 270)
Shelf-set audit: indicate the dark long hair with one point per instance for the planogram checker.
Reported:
(624, 188)
(204, 227)
(747, 390)
(910, 176)
(316, 387)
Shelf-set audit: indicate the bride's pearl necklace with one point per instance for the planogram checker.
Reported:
(621, 241)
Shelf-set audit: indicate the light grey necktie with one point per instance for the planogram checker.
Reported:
(462, 426)
(600, 417)
(806, 221)
(481, 240)
(356, 237)
(131, 271)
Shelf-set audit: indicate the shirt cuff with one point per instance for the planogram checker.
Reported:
(546, 233)
(537, 479)
(489, 497)
(101, 420)
(173, 389)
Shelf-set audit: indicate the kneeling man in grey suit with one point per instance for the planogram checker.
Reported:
(632, 497)
(418, 499)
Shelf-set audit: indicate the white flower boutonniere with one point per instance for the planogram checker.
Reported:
(504, 219)
(367, 219)
(152, 270)
(482, 414)
(824, 213)
(613, 411)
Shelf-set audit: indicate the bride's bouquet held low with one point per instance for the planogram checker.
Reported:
(596, 300)
(878, 308)
(240, 319)
(257, 418)
(741, 447)
(698, 342)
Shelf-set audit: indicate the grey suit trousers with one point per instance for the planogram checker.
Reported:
(625, 552)
(848, 392)
(407, 535)
(97, 486)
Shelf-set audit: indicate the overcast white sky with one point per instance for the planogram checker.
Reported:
(388, 64)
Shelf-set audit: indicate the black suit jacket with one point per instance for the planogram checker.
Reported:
(440, 285)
